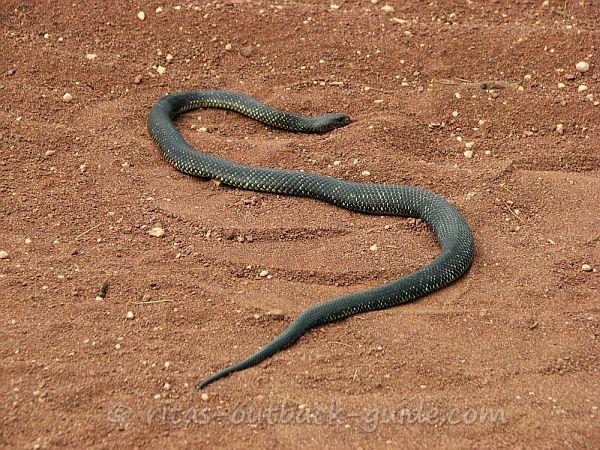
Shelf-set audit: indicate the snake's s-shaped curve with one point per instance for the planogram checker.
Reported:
(449, 226)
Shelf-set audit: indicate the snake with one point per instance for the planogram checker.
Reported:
(449, 226)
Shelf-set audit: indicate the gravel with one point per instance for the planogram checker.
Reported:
(156, 232)
(130, 315)
(141, 15)
(582, 66)
(67, 97)
(586, 268)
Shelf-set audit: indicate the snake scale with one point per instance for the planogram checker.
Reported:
(449, 226)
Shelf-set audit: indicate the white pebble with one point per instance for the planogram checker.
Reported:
(228, 47)
(141, 15)
(454, 113)
(3, 254)
(586, 268)
(582, 88)
(387, 8)
(487, 152)
(582, 66)
(167, 386)
(158, 10)
(204, 396)
(91, 56)
(264, 273)
(27, 241)
(161, 70)
(169, 57)
(156, 232)
(167, 364)
(334, 6)
(67, 97)
(561, 85)
(560, 128)
(50, 152)
(374, 248)
(468, 153)
(527, 77)
(337, 163)
(130, 315)
(365, 173)
(469, 144)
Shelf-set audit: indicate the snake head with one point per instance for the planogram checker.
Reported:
(332, 121)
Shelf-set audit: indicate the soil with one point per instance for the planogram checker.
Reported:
(505, 357)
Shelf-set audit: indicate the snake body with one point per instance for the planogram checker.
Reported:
(449, 226)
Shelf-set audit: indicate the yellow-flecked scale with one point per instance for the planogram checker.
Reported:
(449, 226)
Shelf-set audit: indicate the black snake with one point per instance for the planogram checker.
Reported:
(449, 226)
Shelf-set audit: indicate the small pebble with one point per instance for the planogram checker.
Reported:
(582, 66)
(169, 57)
(156, 232)
(561, 85)
(527, 77)
(67, 97)
(487, 152)
(137, 79)
(28, 241)
(204, 396)
(387, 8)
(91, 56)
(228, 47)
(337, 163)
(161, 70)
(334, 6)
(264, 273)
(365, 173)
(582, 88)
(158, 10)
(586, 268)
(130, 315)
(374, 248)
(167, 364)
(167, 386)
(469, 144)
(50, 152)
(3, 254)
(468, 153)
(560, 128)
(454, 113)
(141, 15)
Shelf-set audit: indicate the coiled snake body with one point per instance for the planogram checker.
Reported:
(449, 226)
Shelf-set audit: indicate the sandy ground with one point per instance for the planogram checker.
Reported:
(506, 357)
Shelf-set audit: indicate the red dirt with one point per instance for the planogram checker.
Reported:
(518, 336)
